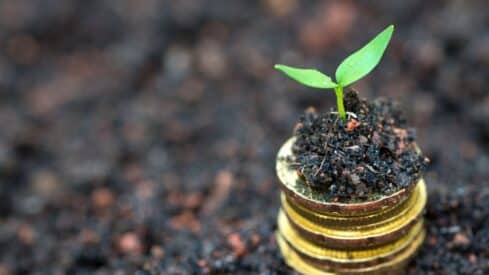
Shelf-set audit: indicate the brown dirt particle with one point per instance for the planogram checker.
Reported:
(223, 183)
(4, 270)
(186, 220)
(461, 239)
(157, 252)
(472, 258)
(202, 263)
(352, 125)
(88, 236)
(129, 243)
(238, 245)
(281, 8)
(102, 198)
(26, 234)
(192, 201)
(255, 239)
(298, 126)
(432, 240)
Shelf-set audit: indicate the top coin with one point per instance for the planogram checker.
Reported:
(295, 188)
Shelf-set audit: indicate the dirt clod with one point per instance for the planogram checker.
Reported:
(238, 245)
(102, 198)
(352, 125)
(371, 156)
(129, 243)
(461, 239)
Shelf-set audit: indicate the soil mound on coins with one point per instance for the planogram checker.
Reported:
(371, 154)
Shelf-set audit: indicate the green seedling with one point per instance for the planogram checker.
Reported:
(353, 68)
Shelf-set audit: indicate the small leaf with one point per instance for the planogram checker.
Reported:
(309, 77)
(363, 61)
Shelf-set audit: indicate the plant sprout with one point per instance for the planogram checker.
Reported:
(353, 68)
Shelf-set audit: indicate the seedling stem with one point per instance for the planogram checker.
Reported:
(339, 101)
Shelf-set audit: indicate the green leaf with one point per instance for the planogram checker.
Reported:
(309, 77)
(363, 61)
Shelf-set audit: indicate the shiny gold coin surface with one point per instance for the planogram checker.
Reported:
(395, 266)
(346, 257)
(354, 231)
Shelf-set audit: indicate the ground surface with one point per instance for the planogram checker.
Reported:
(141, 135)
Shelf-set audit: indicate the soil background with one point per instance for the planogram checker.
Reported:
(139, 136)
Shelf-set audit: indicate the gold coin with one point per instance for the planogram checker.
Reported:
(352, 257)
(298, 191)
(376, 219)
(351, 235)
(395, 266)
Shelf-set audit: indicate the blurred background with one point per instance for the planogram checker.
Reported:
(140, 135)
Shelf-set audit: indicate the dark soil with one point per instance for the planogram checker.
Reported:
(370, 155)
(139, 137)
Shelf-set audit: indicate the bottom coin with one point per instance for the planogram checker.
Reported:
(394, 266)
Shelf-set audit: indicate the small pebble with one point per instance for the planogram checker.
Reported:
(130, 244)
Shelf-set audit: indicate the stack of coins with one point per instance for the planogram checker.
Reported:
(374, 237)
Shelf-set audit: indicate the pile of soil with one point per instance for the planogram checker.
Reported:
(370, 155)
(140, 137)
